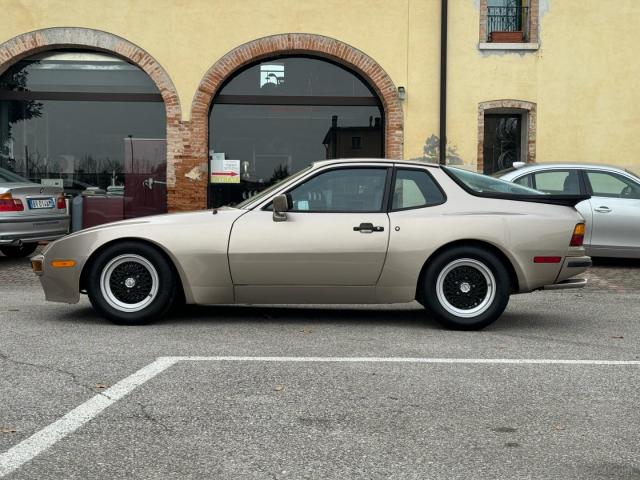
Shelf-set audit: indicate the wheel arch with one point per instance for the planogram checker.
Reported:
(180, 294)
(504, 258)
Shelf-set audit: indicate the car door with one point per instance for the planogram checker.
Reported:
(335, 234)
(615, 203)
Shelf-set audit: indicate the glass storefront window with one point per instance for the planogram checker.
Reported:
(91, 123)
(276, 117)
(302, 76)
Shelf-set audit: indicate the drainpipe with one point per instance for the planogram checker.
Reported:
(443, 83)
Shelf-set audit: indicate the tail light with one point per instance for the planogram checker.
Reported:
(61, 203)
(577, 238)
(10, 204)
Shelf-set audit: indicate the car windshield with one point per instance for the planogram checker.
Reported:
(9, 177)
(485, 184)
(244, 204)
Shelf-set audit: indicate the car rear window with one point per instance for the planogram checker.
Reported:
(485, 184)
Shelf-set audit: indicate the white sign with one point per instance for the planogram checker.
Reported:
(52, 182)
(224, 171)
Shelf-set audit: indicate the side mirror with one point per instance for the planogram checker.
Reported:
(280, 207)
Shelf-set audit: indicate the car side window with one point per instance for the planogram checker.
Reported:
(525, 181)
(558, 182)
(415, 189)
(609, 184)
(341, 190)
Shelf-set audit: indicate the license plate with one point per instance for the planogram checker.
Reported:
(41, 203)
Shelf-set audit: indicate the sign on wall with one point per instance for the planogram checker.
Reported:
(223, 170)
(52, 182)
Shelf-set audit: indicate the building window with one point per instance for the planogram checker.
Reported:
(509, 22)
(506, 134)
(502, 140)
(275, 117)
(91, 123)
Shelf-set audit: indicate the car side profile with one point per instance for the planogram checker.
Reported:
(612, 212)
(365, 231)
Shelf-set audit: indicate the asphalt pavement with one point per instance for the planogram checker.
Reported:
(229, 415)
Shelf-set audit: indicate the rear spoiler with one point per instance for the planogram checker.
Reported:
(566, 200)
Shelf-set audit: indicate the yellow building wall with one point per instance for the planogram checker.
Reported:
(583, 78)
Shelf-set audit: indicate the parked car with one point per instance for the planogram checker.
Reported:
(339, 231)
(29, 213)
(612, 213)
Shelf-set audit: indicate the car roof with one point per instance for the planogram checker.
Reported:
(390, 161)
(536, 166)
(532, 167)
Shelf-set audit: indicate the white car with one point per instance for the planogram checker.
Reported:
(612, 213)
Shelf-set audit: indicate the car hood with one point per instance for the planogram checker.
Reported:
(172, 220)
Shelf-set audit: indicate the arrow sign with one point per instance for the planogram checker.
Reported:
(225, 170)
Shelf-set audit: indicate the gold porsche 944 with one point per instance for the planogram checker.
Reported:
(363, 231)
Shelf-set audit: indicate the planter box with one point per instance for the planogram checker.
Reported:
(506, 37)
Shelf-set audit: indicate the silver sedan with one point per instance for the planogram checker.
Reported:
(612, 213)
(341, 231)
(29, 213)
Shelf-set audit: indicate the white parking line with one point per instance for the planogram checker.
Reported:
(76, 418)
(49, 435)
(515, 361)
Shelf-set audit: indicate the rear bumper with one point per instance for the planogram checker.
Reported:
(570, 267)
(14, 231)
(573, 266)
(567, 284)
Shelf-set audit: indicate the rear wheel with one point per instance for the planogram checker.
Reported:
(19, 251)
(466, 288)
(131, 283)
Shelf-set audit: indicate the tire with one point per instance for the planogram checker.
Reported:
(466, 288)
(20, 251)
(131, 283)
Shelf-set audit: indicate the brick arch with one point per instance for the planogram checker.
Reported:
(510, 106)
(37, 41)
(290, 44)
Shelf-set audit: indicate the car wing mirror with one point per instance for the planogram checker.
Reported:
(280, 207)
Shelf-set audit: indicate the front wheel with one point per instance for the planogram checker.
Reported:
(131, 283)
(20, 251)
(466, 288)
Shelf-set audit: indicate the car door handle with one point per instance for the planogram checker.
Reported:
(368, 228)
(602, 209)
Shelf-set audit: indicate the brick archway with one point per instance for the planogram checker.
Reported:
(37, 41)
(508, 106)
(293, 43)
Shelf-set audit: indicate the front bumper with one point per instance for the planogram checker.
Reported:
(59, 284)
